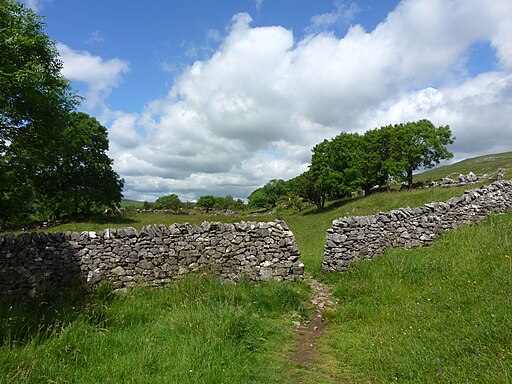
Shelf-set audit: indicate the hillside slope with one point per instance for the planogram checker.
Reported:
(479, 165)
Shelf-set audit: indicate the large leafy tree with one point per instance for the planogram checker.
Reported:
(268, 195)
(52, 160)
(82, 177)
(335, 169)
(32, 89)
(35, 101)
(171, 202)
(310, 187)
(206, 202)
(414, 145)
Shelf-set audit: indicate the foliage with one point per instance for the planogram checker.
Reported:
(82, 176)
(351, 162)
(290, 202)
(414, 145)
(52, 160)
(171, 202)
(34, 102)
(206, 202)
(267, 196)
(312, 188)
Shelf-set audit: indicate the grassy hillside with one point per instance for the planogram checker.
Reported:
(131, 204)
(479, 165)
(441, 314)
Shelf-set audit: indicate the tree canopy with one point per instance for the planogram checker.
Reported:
(414, 145)
(206, 202)
(171, 202)
(268, 195)
(352, 162)
(52, 159)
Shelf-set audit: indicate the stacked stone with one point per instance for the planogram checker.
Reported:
(154, 256)
(364, 237)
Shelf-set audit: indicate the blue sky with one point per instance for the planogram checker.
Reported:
(205, 97)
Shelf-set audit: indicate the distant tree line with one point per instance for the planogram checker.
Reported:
(352, 162)
(53, 159)
(208, 203)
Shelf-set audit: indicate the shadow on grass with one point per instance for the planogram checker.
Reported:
(37, 319)
(334, 205)
(42, 289)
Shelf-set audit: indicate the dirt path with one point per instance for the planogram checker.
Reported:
(305, 354)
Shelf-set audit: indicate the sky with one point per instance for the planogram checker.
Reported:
(218, 97)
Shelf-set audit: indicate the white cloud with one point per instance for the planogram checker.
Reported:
(37, 5)
(343, 15)
(95, 37)
(259, 4)
(99, 75)
(256, 107)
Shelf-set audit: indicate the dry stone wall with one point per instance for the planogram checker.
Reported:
(364, 237)
(30, 263)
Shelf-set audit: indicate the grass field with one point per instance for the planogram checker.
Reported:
(438, 314)
(441, 314)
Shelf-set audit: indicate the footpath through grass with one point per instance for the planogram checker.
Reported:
(441, 314)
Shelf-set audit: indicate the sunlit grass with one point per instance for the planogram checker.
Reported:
(193, 331)
(430, 315)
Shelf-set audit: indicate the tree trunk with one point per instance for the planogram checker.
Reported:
(409, 177)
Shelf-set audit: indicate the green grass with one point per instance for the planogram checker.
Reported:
(193, 331)
(430, 315)
(479, 165)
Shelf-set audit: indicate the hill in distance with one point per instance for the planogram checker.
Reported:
(480, 165)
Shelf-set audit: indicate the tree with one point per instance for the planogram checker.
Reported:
(313, 189)
(171, 202)
(83, 170)
(35, 101)
(334, 170)
(374, 154)
(414, 145)
(206, 202)
(290, 201)
(268, 195)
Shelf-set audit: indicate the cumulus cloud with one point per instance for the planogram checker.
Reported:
(255, 108)
(100, 76)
